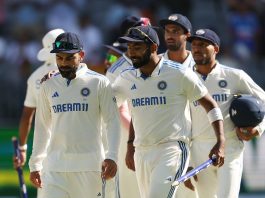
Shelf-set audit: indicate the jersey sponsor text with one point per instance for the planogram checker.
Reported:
(148, 101)
(70, 107)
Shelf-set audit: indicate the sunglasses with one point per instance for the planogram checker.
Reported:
(111, 58)
(139, 34)
(65, 45)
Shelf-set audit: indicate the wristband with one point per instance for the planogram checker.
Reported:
(215, 114)
(23, 147)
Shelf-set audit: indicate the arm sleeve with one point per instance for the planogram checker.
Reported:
(31, 98)
(42, 132)
(119, 90)
(110, 114)
(193, 87)
(248, 86)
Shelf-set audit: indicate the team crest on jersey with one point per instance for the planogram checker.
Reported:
(85, 91)
(162, 85)
(222, 83)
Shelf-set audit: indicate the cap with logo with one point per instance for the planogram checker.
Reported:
(47, 42)
(133, 21)
(67, 42)
(246, 111)
(177, 19)
(205, 34)
(145, 34)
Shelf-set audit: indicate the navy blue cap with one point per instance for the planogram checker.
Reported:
(246, 111)
(118, 47)
(67, 42)
(177, 19)
(133, 21)
(205, 34)
(145, 34)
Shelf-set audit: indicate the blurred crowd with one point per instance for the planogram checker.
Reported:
(23, 23)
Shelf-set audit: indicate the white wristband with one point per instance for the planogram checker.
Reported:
(23, 147)
(215, 114)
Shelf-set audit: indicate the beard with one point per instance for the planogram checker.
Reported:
(143, 60)
(68, 72)
(173, 47)
(202, 61)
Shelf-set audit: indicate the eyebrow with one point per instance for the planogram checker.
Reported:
(67, 55)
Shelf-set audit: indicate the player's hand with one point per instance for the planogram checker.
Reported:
(35, 179)
(246, 133)
(188, 182)
(48, 75)
(109, 169)
(218, 151)
(129, 159)
(20, 161)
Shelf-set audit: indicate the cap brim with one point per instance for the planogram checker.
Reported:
(114, 49)
(165, 22)
(65, 51)
(191, 38)
(126, 39)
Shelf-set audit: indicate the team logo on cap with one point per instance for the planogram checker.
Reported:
(85, 91)
(162, 85)
(200, 32)
(222, 83)
(173, 17)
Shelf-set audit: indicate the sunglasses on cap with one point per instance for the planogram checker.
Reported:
(111, 58)
(134, 33)
(61, 45)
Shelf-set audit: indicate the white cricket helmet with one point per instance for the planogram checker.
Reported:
(47, 42)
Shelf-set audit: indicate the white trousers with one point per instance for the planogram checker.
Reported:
(155, 164)
(127, 178)
(223, 182)
(71, 185)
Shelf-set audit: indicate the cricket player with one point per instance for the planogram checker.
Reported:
(124, 61)
(33, 87)
(127, 179)
(67, 143)
(222, 83)
(177, 29)
(158, 92)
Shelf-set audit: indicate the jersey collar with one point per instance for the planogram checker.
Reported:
(156, 71)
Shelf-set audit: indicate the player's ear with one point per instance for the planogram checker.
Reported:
(216, 49)
(188, 34)
(81, 54)
(153, 47)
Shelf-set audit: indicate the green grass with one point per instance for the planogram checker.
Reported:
(9, 185)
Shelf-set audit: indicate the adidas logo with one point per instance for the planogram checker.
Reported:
(133, 87)
(55, 94)
(99, 194)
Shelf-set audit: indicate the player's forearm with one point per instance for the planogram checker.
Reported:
(219, 130)
(125, 116)
(131, 133)
(25, 124)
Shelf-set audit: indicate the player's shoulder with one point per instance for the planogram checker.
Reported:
(172, 66)
(128, 72)
(230, 70)
(120, 64)
(39, 73)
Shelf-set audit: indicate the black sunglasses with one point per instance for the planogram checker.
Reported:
(134, 32)
(65, 45)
